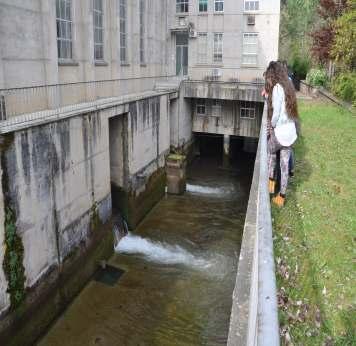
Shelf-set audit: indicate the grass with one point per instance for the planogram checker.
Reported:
(314, 234)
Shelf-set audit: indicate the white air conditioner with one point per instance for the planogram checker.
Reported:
(251, 20)
(182, 21)
(193, 33)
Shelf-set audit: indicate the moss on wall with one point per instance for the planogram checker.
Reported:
(14, 250)
(13, 261)
(95, 221)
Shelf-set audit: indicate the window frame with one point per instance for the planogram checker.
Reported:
(248, 106)
(99, 13)
(218, 47)
(202, 49)
(244, 44)
(182, 6)
(203, 6)
(67, 38)
(123, 31)
(216, 108)
(201, 104)
(216, 5)
(249, 2)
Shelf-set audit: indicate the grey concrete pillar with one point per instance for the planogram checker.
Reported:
(226, 151)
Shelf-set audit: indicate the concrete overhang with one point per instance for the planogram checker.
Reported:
(223, 90)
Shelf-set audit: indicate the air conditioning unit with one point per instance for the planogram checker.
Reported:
(193, 33)
(182, 21)
(251, 20)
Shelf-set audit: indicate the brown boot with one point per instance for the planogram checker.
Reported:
(279, 200)
(271, 185)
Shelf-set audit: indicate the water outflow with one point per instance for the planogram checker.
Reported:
(209, 190)
(120, 228)
(159, 252)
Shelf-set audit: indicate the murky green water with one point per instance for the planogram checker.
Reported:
(178, 291)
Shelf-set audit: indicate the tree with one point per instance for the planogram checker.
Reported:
(323, 37)
(344, 47)
(297, 20)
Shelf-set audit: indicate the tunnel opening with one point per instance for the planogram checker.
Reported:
(241, 150)
(209, 145)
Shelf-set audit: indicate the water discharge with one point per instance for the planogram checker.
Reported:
(159, 252)
(210, 190)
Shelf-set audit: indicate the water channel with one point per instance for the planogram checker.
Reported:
(178, 269)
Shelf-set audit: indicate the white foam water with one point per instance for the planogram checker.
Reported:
(208, 190)
(159, 252)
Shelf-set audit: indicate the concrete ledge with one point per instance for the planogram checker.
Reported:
(49, 116)
(254, 315)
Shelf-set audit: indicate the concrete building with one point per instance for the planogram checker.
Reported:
(93, 95)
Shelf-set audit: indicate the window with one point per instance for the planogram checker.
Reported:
(252, 5)
(219, 5)
(64, 29)
(202, 47)
(98, 14)
(2, 108)
(247, 110)
(123, 31)
(216, 108)
(182, 6)
(218, 47)
(250, 49)
(201, 107)
(203, 5)
(142, 31)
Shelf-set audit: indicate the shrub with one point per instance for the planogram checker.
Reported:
(344, 86)
(300, 66)
(317, 77)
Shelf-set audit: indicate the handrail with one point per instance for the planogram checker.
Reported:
(86, 82)
(254, 315)
(29, 100)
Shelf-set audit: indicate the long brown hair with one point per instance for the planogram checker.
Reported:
(277, 73)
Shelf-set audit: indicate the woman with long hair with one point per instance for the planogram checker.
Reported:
(282, 130)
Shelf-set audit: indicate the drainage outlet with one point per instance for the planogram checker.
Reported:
(109, 275)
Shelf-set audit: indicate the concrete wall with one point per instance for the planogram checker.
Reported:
(62, 168)
(181, 122)
(229, 122)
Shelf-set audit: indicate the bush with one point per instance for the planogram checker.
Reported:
(300, 66)
(317, 77)
(344, 86)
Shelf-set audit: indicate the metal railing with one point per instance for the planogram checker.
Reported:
(254, 316)
(16, 102)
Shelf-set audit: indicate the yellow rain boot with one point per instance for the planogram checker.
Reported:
(271, 185)
(279, 200)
